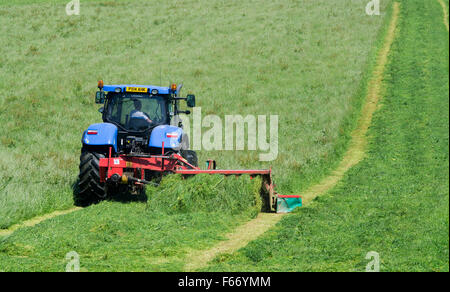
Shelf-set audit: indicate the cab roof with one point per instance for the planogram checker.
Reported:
(136, 88)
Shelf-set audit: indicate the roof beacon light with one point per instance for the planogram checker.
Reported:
(173, 87)
(100, 84)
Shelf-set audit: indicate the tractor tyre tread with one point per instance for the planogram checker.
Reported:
(90, 189)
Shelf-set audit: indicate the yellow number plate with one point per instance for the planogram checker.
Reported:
(137, 89)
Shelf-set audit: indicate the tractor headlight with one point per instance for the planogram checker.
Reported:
(118, 89)
(154, 91)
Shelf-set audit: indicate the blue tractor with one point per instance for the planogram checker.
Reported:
(139, 121)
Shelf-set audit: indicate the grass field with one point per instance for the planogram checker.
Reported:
(308, 61)
(306, 55)
(396, 202)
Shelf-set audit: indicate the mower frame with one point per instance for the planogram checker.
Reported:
(118, 170)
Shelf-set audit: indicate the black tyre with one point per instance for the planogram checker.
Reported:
(190, 156)
(90, 189)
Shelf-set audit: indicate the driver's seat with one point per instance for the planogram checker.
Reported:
(138, 124)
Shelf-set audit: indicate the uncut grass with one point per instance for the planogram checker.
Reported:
(180, 215)
(303, 60)
(395, 202)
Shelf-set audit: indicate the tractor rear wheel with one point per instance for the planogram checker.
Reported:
(90, 189)
(190, 156)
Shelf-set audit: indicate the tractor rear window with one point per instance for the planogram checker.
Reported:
(136, 112)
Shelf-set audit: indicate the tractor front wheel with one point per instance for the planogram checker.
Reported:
(90, 189)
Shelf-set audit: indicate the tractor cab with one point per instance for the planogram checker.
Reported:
(136, 112)
(142, 116)
(126, 105)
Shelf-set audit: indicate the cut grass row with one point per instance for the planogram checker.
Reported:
(181, 215)
(302, 60)
(444, 5)
(353, 155)
(395, 202)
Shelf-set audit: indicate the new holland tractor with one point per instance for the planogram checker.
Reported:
(141, 139)
(138, 121)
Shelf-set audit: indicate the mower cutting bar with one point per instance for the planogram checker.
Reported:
(225, 172)
(117, 167)
(175, 163)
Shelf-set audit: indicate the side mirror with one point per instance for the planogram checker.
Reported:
(190, 100)
(100, 97)
(101, 110)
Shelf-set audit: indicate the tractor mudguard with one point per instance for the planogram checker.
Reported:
(101, 134)
(170, 135)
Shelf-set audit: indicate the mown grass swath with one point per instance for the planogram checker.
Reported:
(395, 202)
(135, 236)
(302, 60)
